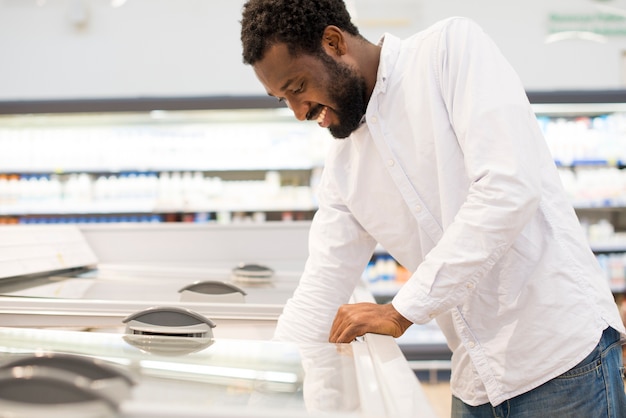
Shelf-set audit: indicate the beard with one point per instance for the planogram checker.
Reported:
(348, 92)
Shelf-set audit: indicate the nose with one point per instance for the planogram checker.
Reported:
(298, 108)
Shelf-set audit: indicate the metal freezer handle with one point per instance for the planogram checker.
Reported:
(57, 385)
(169, 321)
(109, 381)
(167, 330)
(212, 291)
(252, 273)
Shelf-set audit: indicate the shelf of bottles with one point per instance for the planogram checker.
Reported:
(588, 142)
(197, 166)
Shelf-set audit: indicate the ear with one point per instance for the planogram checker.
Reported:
(334, 41)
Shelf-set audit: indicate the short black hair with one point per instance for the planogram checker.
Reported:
(297, 23)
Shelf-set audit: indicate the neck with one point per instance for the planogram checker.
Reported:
(368, 59)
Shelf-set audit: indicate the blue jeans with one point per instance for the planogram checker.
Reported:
(592, 389)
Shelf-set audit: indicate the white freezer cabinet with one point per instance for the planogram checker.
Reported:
(93, 278)
(71, 374)
(52, 278)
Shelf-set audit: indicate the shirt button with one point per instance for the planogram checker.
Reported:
(432, 315)
(418, 208)
(471, 344)
(390, 163)
(470, 285)
(373, 119)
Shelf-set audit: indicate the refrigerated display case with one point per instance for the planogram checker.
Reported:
(50, 275)
(155, 160)
(59, 299)
(202, 159)
(586, 132)
(226, 378)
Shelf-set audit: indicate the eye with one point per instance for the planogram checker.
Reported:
(299, 89)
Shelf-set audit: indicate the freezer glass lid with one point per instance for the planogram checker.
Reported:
(99, 284)
(195, 372)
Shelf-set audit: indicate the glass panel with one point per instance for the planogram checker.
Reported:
(211, 374)
(92, 285)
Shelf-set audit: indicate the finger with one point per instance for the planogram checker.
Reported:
(336, 330)
(347, 333)
(342, 337)
(338, 325)
(346, 337)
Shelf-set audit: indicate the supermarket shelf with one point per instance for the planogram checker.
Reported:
(139, 206)
(611, 247)
(133, 104)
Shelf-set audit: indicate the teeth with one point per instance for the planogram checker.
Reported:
(322, 115)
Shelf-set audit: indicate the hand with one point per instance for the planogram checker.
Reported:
(356, 319)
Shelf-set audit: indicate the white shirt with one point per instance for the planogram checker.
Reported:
(452, 176)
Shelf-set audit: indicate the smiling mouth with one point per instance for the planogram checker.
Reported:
(321, 118)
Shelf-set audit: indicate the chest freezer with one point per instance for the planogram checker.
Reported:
(112, 375)
(51, 277)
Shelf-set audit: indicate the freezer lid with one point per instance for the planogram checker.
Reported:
(246, 378)
(103, 312)
(96, 298)
(34, 249)
(51, 278)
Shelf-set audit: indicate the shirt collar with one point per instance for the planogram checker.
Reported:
(390, 48)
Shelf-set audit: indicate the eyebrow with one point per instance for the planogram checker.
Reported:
(283, 87)
(286, 84)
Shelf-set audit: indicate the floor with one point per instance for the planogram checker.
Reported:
(439, 396)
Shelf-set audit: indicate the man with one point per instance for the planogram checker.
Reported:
(444, 165)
